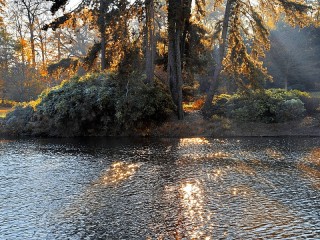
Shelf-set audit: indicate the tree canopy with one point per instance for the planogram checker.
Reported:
(177, 42)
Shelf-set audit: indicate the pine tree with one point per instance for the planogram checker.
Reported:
(247, 22)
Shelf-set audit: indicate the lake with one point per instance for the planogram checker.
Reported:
(136, 188)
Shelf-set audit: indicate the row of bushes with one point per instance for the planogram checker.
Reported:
(97, 104)
(269, 106)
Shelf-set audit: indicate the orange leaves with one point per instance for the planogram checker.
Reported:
(23, 43)
(43, 71)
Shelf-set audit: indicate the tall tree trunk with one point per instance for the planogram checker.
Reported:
(179, 74)
(222, 51)
(58, 34)
(286, 77)
(150, 40)
(43, 50)
(33, 50)
(174, 57)
(102, 28)
(186, 28)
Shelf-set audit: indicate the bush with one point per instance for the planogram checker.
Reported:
(312, 104)
(95, 104)
(272, 105)
(17, 120)
(289, 110)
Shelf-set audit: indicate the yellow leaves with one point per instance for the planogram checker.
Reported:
(86, 15)
(217, 4)
(161, 47)
(23, 43)
(43, 72)
(25, 49)
(270, 23)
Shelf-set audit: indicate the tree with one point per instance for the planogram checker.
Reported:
(247, 22)
(6, 59)
(101, 12)
(2, 5)
(150, 40)
(175, 28)
(31, 9)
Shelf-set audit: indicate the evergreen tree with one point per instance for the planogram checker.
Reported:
(247, 22)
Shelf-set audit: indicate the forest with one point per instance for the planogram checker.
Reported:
(109, 67)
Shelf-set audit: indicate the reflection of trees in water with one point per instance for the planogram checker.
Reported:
(173, 195)
(310, 167)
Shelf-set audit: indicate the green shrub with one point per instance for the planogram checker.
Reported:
(17, 120)
(289, 110)
(312, 104)
(96, 104)
(272, 105)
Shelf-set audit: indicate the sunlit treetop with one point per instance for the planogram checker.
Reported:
(2, 4)
(247, 39)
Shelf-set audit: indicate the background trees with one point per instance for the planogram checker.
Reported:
(243, 38)
(293, 60)
(177, 42)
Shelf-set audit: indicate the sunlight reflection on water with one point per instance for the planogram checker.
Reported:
(119, 171)
(193, 188)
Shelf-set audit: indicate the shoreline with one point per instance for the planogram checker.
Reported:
(195, 126)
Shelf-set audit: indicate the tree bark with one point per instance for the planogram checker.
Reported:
(150, 40)
(186, 27)
(33, 50)
(43, 50)
(102, 28)
(222, 51)
(179, 75)
(58, 34)
(174, 57)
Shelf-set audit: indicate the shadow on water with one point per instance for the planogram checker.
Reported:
(137, 188)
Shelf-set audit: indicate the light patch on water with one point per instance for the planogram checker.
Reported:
(205, 189)
(311, 173)
(310, 167)
(185, 142)
(314, 157)
(273, 153)
(192, 200)
(119, 172)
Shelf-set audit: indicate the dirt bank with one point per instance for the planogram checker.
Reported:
(194, 125)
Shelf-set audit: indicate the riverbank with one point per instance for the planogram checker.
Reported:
(195, 125)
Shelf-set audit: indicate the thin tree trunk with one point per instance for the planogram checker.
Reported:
(103, 34)
(42, 48)
(286, 77)
(33, 50)
(150, 41)
(222, 50)
(59, 43)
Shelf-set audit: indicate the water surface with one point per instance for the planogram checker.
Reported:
(193, 188)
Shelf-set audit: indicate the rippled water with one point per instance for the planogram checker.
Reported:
(191, 188)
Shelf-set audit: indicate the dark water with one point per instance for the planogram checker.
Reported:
(160, 189)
